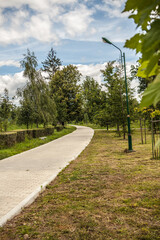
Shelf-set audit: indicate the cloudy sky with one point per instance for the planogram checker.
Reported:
(73, 28)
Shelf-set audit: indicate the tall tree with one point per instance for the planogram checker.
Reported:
(29, 63)
(5, 110)
(51, 64)
(25, 113)
(116, 95)
(94, 99)
(66, 92)
(35, 98)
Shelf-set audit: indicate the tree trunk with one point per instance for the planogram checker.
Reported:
(141, 131)
(119, 133)
(124, 131)
(107, 126)
(145, 130)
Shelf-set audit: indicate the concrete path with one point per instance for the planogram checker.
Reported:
(24, 175)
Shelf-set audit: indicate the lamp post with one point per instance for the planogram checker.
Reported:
(105, 40)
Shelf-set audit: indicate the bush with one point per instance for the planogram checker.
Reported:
(8, 139)
(30, 133)
(11, 138)
(38, 133)
(49, 131)
(21, 135)
(59, 128)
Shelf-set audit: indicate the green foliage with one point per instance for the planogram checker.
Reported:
(116, 95)
(152, 94)
(143, 82)
(146, 16)
(51, 64)
(102, 118)
(29, 63)
(66, 92)
(5, 110)
(94, 99)
(36, 104)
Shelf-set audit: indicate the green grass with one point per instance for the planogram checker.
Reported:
(32, 143)
(92, 125)
(12, 126)
(105, 194)
(134, 124)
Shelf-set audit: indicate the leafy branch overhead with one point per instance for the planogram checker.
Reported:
(146, 15)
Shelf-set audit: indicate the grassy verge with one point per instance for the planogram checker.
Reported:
(32, 143)
(134, 124)
(91, 125)
(105, 194)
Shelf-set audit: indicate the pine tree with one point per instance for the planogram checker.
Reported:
(51, 64)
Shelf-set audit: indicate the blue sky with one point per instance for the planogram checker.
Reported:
(73, 28)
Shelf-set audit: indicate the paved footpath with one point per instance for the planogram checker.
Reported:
(24, 175)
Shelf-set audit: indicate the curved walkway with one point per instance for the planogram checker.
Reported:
(23, 176)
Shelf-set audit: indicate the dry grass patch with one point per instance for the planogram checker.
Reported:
(104, 194)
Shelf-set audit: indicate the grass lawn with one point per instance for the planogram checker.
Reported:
(104, 194)
(32, 143)
(134, 124)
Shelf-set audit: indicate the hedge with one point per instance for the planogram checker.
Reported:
(11, 138)
(49, 131)
(29, 133)
(8, 139)
(59, 128)
(21, 134)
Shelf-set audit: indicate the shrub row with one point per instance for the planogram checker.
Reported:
(9, 139)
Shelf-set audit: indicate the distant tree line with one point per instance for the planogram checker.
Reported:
(60, 97)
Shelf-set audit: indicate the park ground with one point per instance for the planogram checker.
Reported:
(104, 194)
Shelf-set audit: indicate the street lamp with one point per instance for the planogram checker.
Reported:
(105, 40)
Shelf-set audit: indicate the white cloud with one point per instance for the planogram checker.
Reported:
(77, 21)
(51, 20)
(113, 8)
(9, 63)
(40, 27)
(12, 83)
(92, 71)
(44, 20)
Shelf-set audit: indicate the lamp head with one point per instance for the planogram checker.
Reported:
(105, 40)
